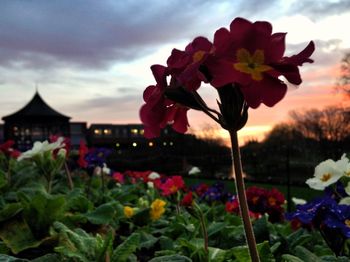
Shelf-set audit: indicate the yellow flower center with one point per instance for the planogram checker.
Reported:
(255, 199)
(272, 201)
(347, 222)
(326, 177)
(347, 174)
(251, 64)
(197, 56)
(173, 189)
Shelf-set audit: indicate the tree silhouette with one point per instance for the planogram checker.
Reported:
(344, 79)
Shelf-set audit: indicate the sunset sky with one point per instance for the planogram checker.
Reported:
(90, 59)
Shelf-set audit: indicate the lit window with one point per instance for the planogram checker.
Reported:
(150, 144)
(15, 128)
(142, 131)
(97, 131)
(107, 131)
(117, 145)
(134, 144)
(171, 143)
(27, 131)
(164, 143)
(134, 131)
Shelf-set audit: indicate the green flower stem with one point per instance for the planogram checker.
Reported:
(203, 226)
(242, 199)
(49, 183)
(69, 176)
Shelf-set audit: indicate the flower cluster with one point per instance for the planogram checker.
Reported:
(330, 213)
(40, 148)
(247, 55)
(157, 209)
(8, 150)
(215, 192)
(328, 172)
(170, 185)
(261, 201)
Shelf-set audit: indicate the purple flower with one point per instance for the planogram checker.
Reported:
(339, 217)
(314, 211)
(97, 157)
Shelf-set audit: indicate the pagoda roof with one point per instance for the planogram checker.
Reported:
(36, 107)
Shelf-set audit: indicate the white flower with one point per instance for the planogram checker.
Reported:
(150, 184)
(298, 201)
(344, 165)
(347, 189)
(326, 173)
(106, 170)
(42, 147)
(194, 170)
(345, 201)
(153, 176)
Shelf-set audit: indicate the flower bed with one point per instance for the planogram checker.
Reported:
(57, 206)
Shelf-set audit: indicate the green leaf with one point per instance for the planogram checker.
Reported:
(217, 254)
(17, 235)
(242, 254)
(261, 230)
(9, 211)
(166, 243)
(3, 179)
(214, 228)
(6, 258)
(171, 258)
(299, 237)
(147, 240)
(102, 214)
(78, 202)
(41, 211)
(306, 255)
(81, 246)
(290, 258)
(129, 246)
(142, 217)
(48, 257)
(334, 259)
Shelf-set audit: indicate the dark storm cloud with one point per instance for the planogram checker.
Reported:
(320, 9)
(89, 33)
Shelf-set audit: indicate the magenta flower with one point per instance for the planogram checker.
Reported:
(250, 55)
(158, 111)
(185, 65)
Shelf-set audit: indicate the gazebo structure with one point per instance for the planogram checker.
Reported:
(36, 121)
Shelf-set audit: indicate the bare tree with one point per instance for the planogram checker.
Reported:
(329, 124)
(343, 83)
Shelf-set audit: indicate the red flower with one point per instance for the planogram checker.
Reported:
(201, 189)
(158, 111)
(118, 177)
(251, 56)
(7, 149)
(232, 206)
(185, 65)
(275, 197)
(83, 150)
(187, 200)
(171, 185)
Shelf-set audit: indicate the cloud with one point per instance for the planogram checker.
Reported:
(319, 9)
(90, 34)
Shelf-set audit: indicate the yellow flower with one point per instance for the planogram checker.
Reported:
(157, 209)
(128, 211)
(251, 64)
